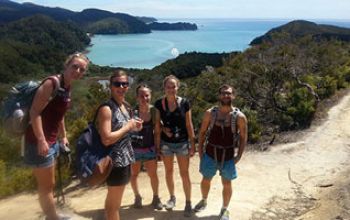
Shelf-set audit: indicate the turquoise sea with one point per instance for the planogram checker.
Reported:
(150, 50)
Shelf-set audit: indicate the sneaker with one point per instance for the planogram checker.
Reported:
(170, 204)
(61, 217)
(156, 203)
(224, 214)
(188, 210)
(138, 202)
(65, 218)
(201, 205)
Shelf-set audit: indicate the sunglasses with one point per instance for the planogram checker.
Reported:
(225, 93)
(77, 66)
(120, 84)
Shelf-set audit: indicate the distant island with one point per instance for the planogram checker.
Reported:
(172, 26)
(93, 21)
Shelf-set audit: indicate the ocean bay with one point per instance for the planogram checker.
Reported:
(150, 50)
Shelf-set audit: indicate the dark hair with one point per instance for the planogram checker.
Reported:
(143, 85)
(167, 78)
(71, 57)
(117, 73)
(226, 86)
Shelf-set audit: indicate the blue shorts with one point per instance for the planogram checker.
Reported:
(150, 155)
(179, 149)
(208, 168)
(32, 159)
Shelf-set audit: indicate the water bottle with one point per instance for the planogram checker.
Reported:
(16, 120)
(137, 118)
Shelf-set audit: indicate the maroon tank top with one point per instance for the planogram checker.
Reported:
(51, 117)
(222, 137)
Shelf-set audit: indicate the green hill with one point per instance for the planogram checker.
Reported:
(300, 28)
(11, 11)
(37, 45)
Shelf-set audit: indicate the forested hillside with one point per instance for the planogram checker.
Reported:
(11, 11)
(37, 45)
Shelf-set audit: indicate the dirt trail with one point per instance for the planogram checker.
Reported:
(306, 180)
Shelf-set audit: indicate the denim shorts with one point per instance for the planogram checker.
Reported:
(34, 160)
(179, 149)
(208, 168)
(151, 155)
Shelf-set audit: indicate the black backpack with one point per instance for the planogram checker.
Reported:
(93, 163)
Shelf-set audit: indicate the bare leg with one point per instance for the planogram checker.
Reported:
(151, 167)
(184, 162)
(226, 192)
(205, 187)
(113, 202)
(45, 178)
(135, 169)
(169, 173)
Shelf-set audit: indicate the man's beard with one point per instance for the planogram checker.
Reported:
(226, 102)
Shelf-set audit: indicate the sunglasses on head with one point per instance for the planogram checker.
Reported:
(120, 84)
(78, 54)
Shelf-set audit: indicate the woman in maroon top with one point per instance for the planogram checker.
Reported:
(47, 124)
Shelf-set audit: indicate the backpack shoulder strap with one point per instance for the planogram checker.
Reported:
(214, 114)
(56, 85)
(234, 116)
(98, 109)
(178, 102)
(164, 106)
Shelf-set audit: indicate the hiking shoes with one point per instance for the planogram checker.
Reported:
(156, 203)
(138, 202)
(188, 210)
(224, 214)
(201, 205)
(61, 217)
(170, 204)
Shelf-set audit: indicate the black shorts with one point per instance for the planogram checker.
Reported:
(119, 176)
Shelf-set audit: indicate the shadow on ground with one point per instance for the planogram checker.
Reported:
(146, 212)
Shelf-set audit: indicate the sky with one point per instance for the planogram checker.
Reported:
(245, 9)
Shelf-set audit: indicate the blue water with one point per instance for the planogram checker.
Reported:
(150, 50)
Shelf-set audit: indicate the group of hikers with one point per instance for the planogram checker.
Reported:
(138, 136)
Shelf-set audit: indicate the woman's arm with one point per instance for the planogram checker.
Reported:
(190, 132)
